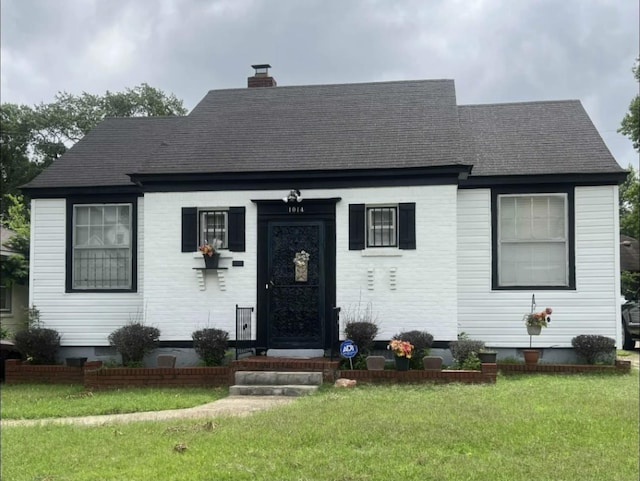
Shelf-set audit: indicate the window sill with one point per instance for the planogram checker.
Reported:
(381, 252)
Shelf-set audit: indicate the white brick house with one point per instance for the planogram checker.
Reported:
(446, 218)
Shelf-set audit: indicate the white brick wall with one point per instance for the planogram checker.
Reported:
(425, 296)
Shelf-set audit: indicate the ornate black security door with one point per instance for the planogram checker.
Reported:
(295, 290)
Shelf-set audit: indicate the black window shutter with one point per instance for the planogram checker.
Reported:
(189, 229)
(356, 227)
(236, 236)
(407, 225)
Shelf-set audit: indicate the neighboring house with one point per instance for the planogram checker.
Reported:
(14, 298)
(629, 254)
(443, 217)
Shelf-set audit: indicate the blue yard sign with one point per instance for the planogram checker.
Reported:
(348, 350)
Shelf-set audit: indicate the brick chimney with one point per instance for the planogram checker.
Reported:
(261, 77)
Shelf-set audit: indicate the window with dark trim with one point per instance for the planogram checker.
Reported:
(201, 224)
(382, 226)
(5, 298)
(101, 244)
(213, 225)
(533, 240)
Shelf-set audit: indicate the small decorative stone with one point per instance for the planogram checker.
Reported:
(345, 383)
(432, 363)
(375, 363)
(166, 360)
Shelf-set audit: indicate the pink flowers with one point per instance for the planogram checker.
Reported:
(401, 348)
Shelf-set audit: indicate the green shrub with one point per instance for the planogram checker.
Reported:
(38, 344)
(463, 348)
(134, 341)
(5, 333)
(593, 348)
(362, 333)
(211, 345)
(421, 341)
(471, 362)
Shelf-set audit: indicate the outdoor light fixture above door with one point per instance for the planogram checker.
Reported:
(294, 196)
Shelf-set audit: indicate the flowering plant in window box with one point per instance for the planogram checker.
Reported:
(210, 249)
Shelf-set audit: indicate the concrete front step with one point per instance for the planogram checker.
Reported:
(266, 390)
(278, 378)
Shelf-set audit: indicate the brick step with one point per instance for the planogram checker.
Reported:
(278, 378)
(273, 390)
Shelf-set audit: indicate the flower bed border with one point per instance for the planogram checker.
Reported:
(621, 366)
(94, 376)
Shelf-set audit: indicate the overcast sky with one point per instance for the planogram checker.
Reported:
(495, 50)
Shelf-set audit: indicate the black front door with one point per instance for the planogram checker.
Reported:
(295, 285)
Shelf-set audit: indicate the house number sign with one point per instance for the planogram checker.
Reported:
(301, 263)
(295, 209)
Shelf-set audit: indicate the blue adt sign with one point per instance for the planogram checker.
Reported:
(348, 349)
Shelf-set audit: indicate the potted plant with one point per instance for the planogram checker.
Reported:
(211, 253)
(402, 351)
(487, 356)
(535, 321)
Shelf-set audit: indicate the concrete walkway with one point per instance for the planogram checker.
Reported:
(229, 406)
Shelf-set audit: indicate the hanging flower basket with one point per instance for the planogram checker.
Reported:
(534, 330)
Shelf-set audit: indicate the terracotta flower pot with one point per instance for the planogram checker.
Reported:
(531, 356)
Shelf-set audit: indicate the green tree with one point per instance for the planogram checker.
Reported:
(33, 137)
(15, 268)
(630, 205)
(630, 125)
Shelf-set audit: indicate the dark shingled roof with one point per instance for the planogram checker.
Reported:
(114, 148)
(555, 137)
(350, 126)
(337, 127)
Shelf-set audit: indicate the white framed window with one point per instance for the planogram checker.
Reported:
(213, 225)
(382, 226)
(5, 298)
(102, 246)
(533, 240)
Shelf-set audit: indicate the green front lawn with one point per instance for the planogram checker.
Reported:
(523, 428)
(34, 401)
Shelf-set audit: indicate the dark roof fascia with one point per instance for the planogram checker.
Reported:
(63, 192)
(610, 178)
(308, 179)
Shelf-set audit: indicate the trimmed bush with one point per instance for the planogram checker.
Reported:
(421, 341)
(593, 348)
(211, 345)
(362, 333)
(38, 344)
(134, 341)
(463, 349)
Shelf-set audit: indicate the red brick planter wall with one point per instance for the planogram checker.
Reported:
(17, 372)
(486, 375)
(620, 366)
(96, 377)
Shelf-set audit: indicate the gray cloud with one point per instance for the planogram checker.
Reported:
(496, 50)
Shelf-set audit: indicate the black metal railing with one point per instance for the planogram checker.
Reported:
(244, 341)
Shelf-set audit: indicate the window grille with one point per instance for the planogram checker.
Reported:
(213, 225)
(382, 227)
(102, 246)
